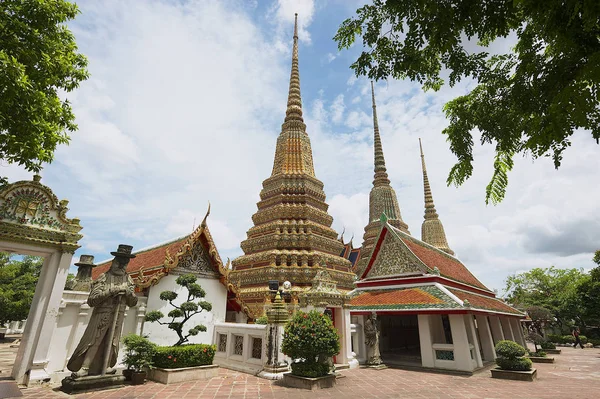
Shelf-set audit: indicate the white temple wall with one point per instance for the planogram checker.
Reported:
(71, 322)
(216, 294)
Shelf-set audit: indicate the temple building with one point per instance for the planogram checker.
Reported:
(433, 312)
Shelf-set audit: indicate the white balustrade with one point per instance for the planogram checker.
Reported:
(240, 347)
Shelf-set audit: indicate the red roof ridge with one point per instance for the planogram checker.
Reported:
(150, 248)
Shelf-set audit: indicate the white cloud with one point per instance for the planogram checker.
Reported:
(337, 109)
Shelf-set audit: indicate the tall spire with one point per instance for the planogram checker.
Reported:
(432, 230)
(291, 238)
(381, 176)
(293, 154)
(382, 199)
(294, 104)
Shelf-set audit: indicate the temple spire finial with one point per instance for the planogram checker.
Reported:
(381, 176)
(432, 230)
(430, 212)
(294, 104)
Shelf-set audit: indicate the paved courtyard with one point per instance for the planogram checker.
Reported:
(575, 374)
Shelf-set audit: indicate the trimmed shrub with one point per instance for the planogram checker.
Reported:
(261, 320)
(547, 345)
(310, 339)
(593, 341)
(510, 349)
(518, 364)
(313, 370)
(568, 339)
(583, 339)
(557, 339)
(510, 356)
(191, 355)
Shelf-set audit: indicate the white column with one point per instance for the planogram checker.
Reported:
(517, 331)
(508, 334)
(462, 352)
(427, 358)
(497, 332)
(346, 355)
(472, 335)
(487, 342)
(41, 319)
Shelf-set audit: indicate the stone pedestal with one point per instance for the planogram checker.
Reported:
(294, 381)
(275, 365)
(72, 385)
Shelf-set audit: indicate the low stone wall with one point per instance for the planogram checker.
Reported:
(240, 347)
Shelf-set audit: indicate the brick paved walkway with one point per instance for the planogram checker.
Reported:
(575, 374)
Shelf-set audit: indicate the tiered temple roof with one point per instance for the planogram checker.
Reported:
(405, 274)
(292, 236)
(382, 199)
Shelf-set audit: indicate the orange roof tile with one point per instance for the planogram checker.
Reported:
(150, 258)
(448, 266)
(482, 302)
(410, 296)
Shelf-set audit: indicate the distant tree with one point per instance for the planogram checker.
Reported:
(540, 318)
(551, 288)
(589, 295)
(18, 279)
(529, 100)
(38, 60)
(182, 313)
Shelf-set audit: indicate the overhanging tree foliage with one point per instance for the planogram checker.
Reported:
(530, 100)
(183, 312)
(38, 60)
(18, 279)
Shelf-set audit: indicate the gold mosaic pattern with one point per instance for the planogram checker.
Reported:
(395, 258)
(292, 237)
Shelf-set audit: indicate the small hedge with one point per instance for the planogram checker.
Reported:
(174, 357)
(547, 345)
(311, 370)
(510, 356)
(566, 339)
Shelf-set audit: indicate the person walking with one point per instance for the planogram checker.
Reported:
(577, 339)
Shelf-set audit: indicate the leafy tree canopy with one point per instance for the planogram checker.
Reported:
(552, 289)
(18, 279)
(529, 100)
(38, 60)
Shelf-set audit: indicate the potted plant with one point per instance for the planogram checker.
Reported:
(512, 363)
(139, 352)
(311, 340)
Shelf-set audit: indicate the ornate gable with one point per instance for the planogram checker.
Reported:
(30, 212)
(393, 258)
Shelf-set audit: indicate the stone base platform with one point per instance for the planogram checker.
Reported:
(294, 381)
(552, 351)
(539, 359)
(172, 376)
(514, 375)
(92, 383)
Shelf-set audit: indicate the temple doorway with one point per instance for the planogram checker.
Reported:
(399, 341)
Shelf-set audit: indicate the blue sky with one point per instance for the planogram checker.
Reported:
(186, 100)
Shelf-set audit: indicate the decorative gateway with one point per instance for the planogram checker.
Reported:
(31, 213)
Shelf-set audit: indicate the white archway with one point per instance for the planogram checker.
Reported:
(34, 222)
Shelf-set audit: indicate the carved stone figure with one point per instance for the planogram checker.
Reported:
(372, 340)
(97, 351)
(83, 280)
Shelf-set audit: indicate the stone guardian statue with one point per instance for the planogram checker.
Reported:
(97, 351)
(372, 340)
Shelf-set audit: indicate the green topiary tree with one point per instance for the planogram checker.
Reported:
(185, 311)
(310, 339)
(510, 356)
